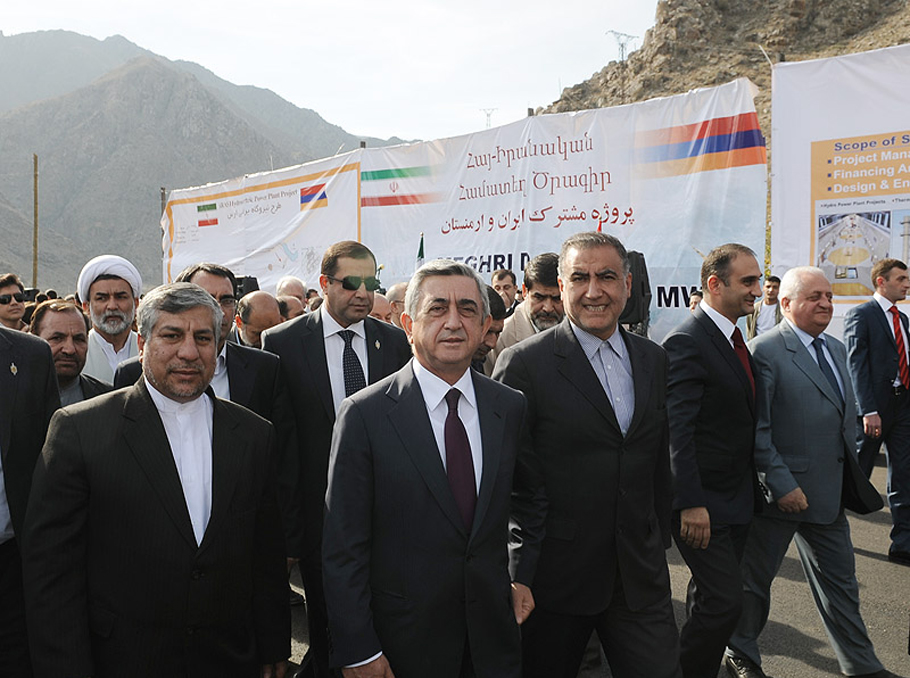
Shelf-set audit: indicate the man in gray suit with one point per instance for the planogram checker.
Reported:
(806, 459)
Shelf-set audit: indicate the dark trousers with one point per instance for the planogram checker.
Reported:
(317, 657)
(637, 643)
(14, 658)
(714, 598)
(896, 435)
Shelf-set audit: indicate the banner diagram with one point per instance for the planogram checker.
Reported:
(670, 177)
(841, 168)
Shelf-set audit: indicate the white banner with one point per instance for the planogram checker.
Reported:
(840, 189)
(672, 178)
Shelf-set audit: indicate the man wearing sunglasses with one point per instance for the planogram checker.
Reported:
(326, 356)
(12, 302)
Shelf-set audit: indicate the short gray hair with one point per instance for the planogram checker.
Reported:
(175, 298)
(793, 281)
(444, 267)
(590, 240)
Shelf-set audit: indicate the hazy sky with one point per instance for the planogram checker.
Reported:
(414, 69)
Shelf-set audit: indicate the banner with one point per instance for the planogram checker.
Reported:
(671, 177)
(840, 188)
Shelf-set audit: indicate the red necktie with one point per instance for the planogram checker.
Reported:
(743, 354)
(459, 463)
(901, 349)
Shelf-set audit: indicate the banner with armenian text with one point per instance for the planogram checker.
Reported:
(671, 177)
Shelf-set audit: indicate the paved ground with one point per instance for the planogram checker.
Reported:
(794, 644)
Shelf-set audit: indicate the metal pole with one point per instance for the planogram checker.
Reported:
(35, 236)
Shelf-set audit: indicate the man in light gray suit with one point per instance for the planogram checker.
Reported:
(806, 459)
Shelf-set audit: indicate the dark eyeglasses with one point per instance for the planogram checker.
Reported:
(353, 282)
(18, 296)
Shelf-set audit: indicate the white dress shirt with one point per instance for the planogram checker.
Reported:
(807, 340)
(101, 359)
(611, 363)
(189, 431)
(220, 384)
(886, 309)
(723, 322)
(434, 392)
(334, 350)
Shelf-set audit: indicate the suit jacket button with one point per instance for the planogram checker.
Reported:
(840, 460)
(190, 630)
(198, 574)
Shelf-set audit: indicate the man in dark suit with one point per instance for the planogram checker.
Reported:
(417, 512)
(711, 405)
(598, 423)
(65, 327)
(806, 457)
(876, 335)
(324, 357)
(152, 542)
(28, 398)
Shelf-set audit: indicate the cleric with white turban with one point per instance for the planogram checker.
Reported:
(109, 288)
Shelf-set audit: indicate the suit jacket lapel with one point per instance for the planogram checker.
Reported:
(411, 421)
(240, 381)
(806, 363)
(227, 462)
(9, 386)
(886, 326)
(146, 438)
(574, 365)
(641, 378)
(375, 354)
(313, 347)
(492, 430)
(725, 349)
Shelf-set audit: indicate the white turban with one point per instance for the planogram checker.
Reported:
(108, 264)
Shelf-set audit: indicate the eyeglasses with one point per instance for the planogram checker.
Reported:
(18, 296)
(227, 303)
(353, 282)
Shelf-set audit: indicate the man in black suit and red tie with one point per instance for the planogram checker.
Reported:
(416, 551)
(876, 335)
(711, 405)
(325, 357)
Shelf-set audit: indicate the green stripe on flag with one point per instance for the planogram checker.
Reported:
(205, 208)
(400, 173)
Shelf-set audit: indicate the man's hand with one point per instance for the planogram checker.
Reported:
(522, 602)
(872, 425)
(793, 502)
(276, 670)
(378, 668)
(695, 527)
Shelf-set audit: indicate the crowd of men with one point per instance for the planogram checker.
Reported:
(475, 481)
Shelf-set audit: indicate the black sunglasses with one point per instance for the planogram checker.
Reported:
(18, 296)
(353, 282)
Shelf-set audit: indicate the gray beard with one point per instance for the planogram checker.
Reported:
(112, 325)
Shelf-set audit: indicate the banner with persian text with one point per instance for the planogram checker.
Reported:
(840, 194)
(670, 177)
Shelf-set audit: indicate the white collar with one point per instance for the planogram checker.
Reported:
(435, 389)
(723, 322)
(330, 326)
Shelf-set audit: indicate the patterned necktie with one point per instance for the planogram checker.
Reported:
(901, 349)
(743, 354)
(353, 371)
(459, 463)
(826, 367)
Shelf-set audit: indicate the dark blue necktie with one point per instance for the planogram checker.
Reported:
(353, 371)
(826, 367)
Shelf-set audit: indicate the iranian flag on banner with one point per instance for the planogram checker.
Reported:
(398, 186)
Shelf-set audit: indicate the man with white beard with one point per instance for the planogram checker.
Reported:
(109, 288)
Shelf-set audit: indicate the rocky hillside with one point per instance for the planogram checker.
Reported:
(699, 43)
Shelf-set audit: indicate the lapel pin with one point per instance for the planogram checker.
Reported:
(377, 344)
(13, 369)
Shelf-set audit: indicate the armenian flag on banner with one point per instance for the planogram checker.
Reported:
(313, 197)
(203, 216)
(715, 144)
(398, 186)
